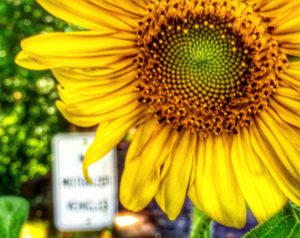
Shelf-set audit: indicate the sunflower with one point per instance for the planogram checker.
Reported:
(209, 85)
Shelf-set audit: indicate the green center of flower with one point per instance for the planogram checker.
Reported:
(203, 68)
(202, 59)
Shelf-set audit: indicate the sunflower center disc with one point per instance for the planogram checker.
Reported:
(202, 68)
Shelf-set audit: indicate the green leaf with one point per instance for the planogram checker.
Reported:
(13, 213)
(285, 224)
(201, 225)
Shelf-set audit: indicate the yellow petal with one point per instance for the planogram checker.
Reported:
(289, 24)
(77, 49)
(108, 135)
(283, 23)
(288, 92)
(102, 101)
(25, 60)
(290, 134)
(83, 110)
(173, 188)
(273, 154)
(97, 15)
(288, 103)
(261, 192)
(282, 143)
(142, 137)
(216, 190)
(291, 75)
(83, 119)
(142, 171)
(291, 48)
(94, 84)
(129, 8)
(112, 72)
(285, 114)
(266, 6)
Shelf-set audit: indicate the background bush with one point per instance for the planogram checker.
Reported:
(28, 117)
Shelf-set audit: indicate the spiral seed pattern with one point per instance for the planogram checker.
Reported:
(205, 70)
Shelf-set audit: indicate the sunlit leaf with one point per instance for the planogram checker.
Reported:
(285, 224)
(13, 213)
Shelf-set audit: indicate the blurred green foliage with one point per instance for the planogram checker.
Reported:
(28, 117)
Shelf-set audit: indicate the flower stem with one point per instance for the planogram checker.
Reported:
(201, 227)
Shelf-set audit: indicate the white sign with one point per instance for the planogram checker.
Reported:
(77, 204)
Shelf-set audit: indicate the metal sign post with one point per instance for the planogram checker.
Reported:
(79, 206)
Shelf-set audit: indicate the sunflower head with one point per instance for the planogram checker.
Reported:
(207, 83)
(207, 67)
